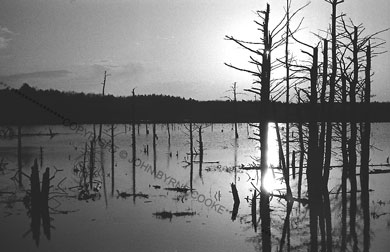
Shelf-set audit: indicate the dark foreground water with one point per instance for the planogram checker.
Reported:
(138, 206)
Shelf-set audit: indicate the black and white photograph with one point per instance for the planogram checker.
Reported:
(194, 125)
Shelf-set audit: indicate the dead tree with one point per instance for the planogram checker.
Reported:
(332, 90)
(233, 89)
(314, 155)
(270, 41)
(313, 169)
(104, 86)
(169, 135)
(20, 156)
(236, 201)
(91, 163)
(191, 156)
(288, 3)
(112, 160)
(200, 142)
(354, 51)
(365, 153)
(345, 167)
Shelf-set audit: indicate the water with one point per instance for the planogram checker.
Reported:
(151, 218)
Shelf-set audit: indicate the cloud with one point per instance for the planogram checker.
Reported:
(135, 69)
(4, 33)
(131, 70)
(38, 75)
(5, 30)
(4, 42)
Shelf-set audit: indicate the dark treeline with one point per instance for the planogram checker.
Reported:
(30, 106)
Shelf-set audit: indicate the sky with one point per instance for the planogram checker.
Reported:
(171, 47)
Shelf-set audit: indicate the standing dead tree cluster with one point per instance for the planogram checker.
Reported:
(190, 130)
(349, 76)
(323, 80)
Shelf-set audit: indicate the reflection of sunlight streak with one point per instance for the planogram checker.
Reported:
(272, 159)
(269, 182)
(273, 148)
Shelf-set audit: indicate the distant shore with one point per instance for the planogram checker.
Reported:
(31, 107)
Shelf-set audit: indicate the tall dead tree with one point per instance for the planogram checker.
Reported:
(104, 86)
(365, 152)
(325, 154)
(287, 65)
(191, 156)
(134, 156)
(233, 89)
(332, 91)
(265, 80)
(345, 167)
(200, 142)
(169, 135)
(20, 156)
(270, 41)
(154, 150)
(112, 160)
(313, 170)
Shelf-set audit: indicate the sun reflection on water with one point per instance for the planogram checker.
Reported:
(270, 182)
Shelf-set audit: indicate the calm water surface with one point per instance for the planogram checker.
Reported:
(145, 211)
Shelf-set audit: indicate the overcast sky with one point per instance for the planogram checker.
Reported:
(173, 47)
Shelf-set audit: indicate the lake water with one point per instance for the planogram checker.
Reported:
(146, 211)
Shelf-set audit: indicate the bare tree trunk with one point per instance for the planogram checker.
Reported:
(286, 226)
(293, 164)
(200, 151)
(235, 109)
(45, 188)
(287, 87)
(20, 155)
(365, 156)
(253, 211)
(103, 175)
(301, 158)
(135, 159)
(41, 156)
(45, 203)
(265, 96)
(191, 157)
(169, 135)
(100, 132)
(84, 166)
(352, 140)
(154, 150)
(91, 164)
(35, 202)
(94, 132)
(313, 171)
(345, 168)
(104, 86)
(328, 153)
(112, 161)
(236, 200)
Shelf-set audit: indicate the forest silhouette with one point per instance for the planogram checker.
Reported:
(28, 105)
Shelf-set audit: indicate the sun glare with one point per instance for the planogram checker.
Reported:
(273, 148)
(270, 182)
